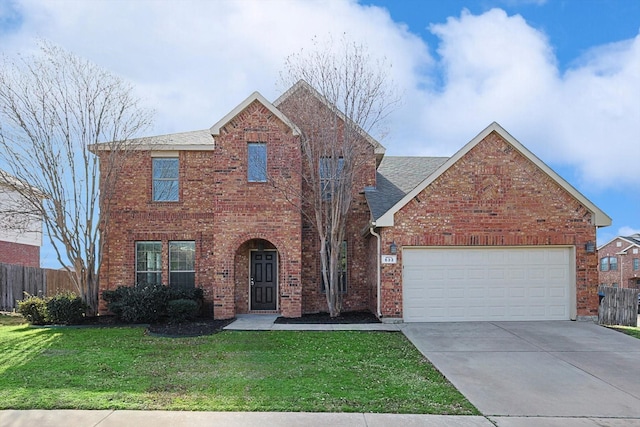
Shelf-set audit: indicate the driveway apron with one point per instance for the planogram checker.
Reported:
(555, 369)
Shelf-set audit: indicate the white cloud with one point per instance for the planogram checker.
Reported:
(498, 68)
(195, 60)
(627, 231)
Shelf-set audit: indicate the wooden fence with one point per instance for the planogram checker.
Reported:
(618, 306)
(15, 280)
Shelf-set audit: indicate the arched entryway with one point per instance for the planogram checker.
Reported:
(256, 277)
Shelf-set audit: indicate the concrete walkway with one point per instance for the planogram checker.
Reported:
(265, 322)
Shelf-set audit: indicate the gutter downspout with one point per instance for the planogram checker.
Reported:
(378, 280)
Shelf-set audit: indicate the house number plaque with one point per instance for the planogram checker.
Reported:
(389, 259)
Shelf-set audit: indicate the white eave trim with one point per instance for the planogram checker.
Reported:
(198, 140)
(255, 96)
(631, 244)
(601, 219)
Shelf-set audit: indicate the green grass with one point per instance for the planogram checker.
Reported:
(123, 368)
(629, 330)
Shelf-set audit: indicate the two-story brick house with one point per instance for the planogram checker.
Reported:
(619, 264)
(491, 233)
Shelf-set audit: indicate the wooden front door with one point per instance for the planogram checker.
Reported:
(264, 280)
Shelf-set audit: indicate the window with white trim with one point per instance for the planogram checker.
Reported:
(165, 179)
(148, 263)
(182, 256)
(608, 263)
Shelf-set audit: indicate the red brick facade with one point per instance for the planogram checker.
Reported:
(493, 196)
(224, 214)
(19, 254)
(619, 264)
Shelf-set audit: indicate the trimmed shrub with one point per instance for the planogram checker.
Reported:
(195, 294)
(148, 303)
(66, 309)
(34, 309)
(182, 310)
(137, 304)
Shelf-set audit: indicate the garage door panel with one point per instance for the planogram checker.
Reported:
(486, 284)
(476, 273)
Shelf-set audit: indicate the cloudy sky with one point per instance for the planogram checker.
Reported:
(562, 76)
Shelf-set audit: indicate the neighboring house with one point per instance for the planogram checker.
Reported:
(491, 233)
(20, 231)
(620, 262)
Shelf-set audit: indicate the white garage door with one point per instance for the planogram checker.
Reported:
(482, 284)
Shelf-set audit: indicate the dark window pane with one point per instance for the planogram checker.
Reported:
(148, 279)
(342, 271)
(182, 279)
(182, 257)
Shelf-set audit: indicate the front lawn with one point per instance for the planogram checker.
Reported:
(123, 368)
(629, 330)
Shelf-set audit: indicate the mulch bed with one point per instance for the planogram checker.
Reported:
(194, 328)
(324, 318)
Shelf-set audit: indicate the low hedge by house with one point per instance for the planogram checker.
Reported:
(151, 303)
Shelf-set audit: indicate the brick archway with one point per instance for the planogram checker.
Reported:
(241, 270)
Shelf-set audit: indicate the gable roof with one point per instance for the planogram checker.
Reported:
(302, 84)
(633, 240)
(601, 219)
(197, 140)
(255, 96)
(395, 177)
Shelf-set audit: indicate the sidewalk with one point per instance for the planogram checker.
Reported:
(76, 418)
(73, 418)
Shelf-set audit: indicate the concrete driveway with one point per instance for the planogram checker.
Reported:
(536, 369)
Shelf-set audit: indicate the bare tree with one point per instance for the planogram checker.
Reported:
(339, 95)
(53, 107)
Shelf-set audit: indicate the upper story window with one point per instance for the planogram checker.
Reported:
(257, 162)
(148, 263)
(609, 263)
(182, 260)
(330, 172)
(636, 264)
(165, 179)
